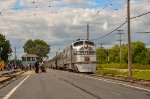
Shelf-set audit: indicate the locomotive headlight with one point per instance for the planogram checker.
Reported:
(86, 52)
(85, 46)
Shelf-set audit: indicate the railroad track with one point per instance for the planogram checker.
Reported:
(6, 78)
(125, 79)
(143, 82)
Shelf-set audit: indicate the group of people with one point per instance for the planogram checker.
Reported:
(12, 66)
(39, 67)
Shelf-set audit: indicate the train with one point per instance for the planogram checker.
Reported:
(80, 56)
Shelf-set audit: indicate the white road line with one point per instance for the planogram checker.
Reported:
(15, 88)
(139, 88)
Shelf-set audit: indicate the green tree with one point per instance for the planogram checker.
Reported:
(124, 53)
(38, 47)
(114, 54)
(101, 55)
(146, 59)
(138, 51)
(29, 47)
(5, 48)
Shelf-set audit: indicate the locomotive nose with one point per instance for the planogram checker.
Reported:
(86, 46)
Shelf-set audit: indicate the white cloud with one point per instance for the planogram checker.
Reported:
(75, 2)
(6, 5)
(60, 27)
(105, 26)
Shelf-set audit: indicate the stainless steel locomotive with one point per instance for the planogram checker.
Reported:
(80, 56)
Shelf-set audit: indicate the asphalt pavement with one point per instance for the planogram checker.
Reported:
(57, 84)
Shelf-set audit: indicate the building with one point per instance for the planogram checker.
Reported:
(29, 58)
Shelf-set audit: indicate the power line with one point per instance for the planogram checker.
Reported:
(111, 31)
(121, 26)
(101, 10)
(140, 15)
(142, 32)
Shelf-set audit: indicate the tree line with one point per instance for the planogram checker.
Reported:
(5, 48)
(140, 54)
(37, 46)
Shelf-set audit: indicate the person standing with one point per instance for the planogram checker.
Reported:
(42, 67)
(37, 66)
(30, 66)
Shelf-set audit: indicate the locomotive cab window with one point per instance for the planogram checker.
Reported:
(89, 43)
(78, 43)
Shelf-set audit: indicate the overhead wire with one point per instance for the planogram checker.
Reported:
(120, 26)
(100, 11)
(110, 32)
(140, 15)
(138, 21)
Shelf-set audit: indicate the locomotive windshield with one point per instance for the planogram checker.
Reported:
(89, 43)
(78, 43)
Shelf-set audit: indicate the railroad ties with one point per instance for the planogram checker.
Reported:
(8, 77)
(124, 78)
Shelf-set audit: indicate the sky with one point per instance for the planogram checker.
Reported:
(60, 22)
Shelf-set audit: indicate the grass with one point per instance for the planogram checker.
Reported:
(123, 66)
(141, 75)
(112, 72)
(136, 73)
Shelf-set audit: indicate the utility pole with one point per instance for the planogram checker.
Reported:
(15, 56)
(129, 41)
(101, 45)
(120, 39)
(87, 31)
(56, 59)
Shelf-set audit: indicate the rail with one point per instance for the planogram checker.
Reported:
(124, 78)
(8, 77)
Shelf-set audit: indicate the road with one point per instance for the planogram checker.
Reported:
(57, 84)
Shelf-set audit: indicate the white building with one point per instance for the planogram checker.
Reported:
(29, 58)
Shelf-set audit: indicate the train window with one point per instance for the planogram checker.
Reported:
(89, 43)
(78, 43)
